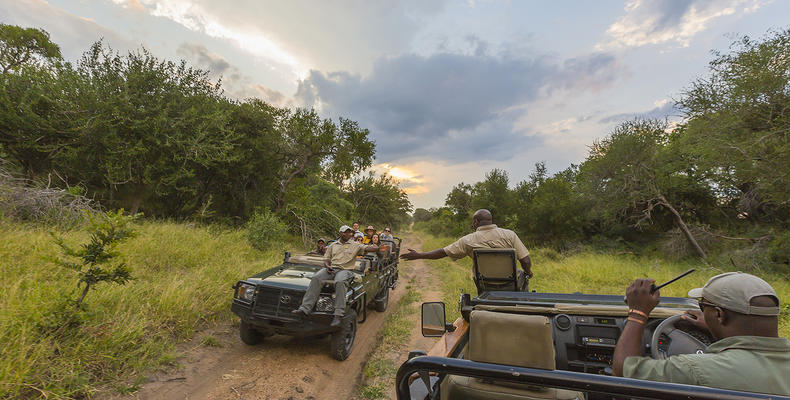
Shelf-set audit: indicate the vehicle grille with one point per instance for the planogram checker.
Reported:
(277, 302)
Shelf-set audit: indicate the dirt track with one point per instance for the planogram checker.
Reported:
(282, 367)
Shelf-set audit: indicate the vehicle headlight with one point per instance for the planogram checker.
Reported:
(245, 292)
(325, 303)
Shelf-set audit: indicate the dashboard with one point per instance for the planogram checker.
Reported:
(585, 343)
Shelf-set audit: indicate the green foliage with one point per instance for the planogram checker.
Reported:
(311, 145)
(421, 215)
(265, 230)
(95, 259)
(21, 47)
(138, 132)
(548, 208)
(494, 194)
(779, 249)
(378, 201)
(738, 121)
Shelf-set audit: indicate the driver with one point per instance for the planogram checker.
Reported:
(740, 311)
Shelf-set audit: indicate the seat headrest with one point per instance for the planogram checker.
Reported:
(492, 251)
(495, 263)
(511, 339)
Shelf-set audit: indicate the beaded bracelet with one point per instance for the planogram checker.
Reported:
(637, 312)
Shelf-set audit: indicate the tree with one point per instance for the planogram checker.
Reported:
(311, 145)
(550, 209)
(25, 46)
(95, 258)
(738, 119)
(421, 215)
(628, 174)
(151, 126)
(460, 200)
(494, 194)
(378, 200)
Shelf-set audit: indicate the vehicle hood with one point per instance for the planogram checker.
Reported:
(290, 276)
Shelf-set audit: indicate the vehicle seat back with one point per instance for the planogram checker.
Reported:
(508, 339)
(519, 340)
(495, 270)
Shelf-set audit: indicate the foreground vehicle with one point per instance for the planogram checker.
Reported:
(521, 345)
(264, 301)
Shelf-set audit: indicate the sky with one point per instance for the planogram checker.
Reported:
(448, 89)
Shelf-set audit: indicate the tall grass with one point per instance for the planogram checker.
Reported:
(593, 273)
(182, 282)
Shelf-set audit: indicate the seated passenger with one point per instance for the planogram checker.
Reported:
(740, 311)
(374, 240)
(338, 260)
(359, 237)
(320, 248)
(355, 227)
(386, 235)
(369, 232)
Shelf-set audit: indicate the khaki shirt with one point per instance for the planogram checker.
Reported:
(343, 255)
(487, 237)
(746, 363)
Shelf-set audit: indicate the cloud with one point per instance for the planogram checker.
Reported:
(236, 84)
(450, 106)
(297, 36)
(72, 33)
(663, 109)
(662, 21)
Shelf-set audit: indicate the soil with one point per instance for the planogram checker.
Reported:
(284, 367)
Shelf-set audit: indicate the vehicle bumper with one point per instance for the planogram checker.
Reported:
(314, 324)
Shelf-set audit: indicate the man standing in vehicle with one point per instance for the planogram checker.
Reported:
(338, 260)
(486, 236)
(740, 311)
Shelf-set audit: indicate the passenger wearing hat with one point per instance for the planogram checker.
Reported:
(339, 258)
(369, 232)
(740, 311)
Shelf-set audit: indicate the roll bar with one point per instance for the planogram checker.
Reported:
(578, 381)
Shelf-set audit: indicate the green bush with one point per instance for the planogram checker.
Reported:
(265, 230)
(779, 248)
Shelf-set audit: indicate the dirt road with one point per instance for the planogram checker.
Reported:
(282, 367)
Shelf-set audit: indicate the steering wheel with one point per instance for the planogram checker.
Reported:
(680, 342)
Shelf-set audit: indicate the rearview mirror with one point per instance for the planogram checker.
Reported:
(433, 319)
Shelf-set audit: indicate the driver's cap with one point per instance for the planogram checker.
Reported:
(345, 228)
(735, 290)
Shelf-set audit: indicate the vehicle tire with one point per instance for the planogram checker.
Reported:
(382, 300)
(249, 335)
(342, 341)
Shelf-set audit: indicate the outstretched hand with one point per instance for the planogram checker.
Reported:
(411, 255)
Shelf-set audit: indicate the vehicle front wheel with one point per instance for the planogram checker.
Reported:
(342, 341)
(382, 300)
(249, 335)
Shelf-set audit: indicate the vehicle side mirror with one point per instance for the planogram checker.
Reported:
(433, 319)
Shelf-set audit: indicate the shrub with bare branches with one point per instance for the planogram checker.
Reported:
(20, 200)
